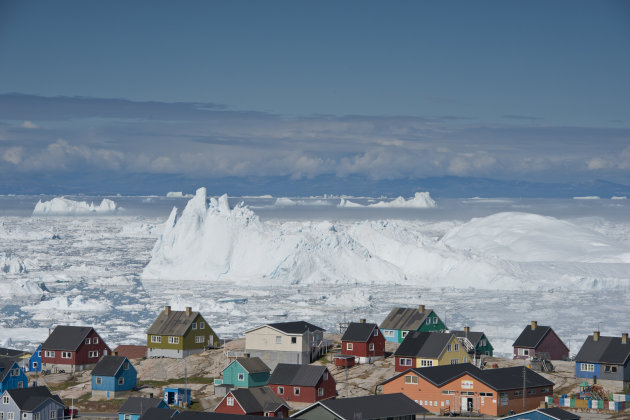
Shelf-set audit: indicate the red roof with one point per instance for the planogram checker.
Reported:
(131, 351)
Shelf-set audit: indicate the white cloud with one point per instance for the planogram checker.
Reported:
(28, 124)
(13, 155)
(597, 163)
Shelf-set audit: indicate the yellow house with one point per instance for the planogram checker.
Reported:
(424, 349)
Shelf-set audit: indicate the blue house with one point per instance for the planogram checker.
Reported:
(113, 376)
(545, 414)
(11, 376)
(35, 361)
(135, 407)
(177, 396)
(245, 372)
(606, 358)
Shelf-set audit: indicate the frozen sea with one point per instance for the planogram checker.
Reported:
(87, 269)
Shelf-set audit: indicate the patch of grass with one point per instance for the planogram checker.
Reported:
(191, 380)
(62, 385)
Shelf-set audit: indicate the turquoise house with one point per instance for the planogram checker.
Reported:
(401, 321)
(11, 376)
(113, 377)
(135, 407)
(245, 372)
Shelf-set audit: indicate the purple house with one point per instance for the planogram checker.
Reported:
(542, 341)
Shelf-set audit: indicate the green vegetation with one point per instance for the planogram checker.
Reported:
(191, 380)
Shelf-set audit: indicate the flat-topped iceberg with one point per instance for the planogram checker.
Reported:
(60, 206)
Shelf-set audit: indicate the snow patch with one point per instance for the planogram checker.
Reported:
(60, 206)
(11, 264)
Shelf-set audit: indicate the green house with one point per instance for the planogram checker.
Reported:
(401, 321)
(475, 342)
(178, 334)
(245, 372)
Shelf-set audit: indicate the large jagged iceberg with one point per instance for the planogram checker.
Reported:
(60, 206)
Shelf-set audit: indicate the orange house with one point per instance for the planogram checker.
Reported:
(465, 388)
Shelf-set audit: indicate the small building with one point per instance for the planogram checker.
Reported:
(552, 413)
(131, 352)
(371, 407)
(70, 349)
(134, 407)
(296, 342)
(245, 372)
(11, 375)
(178, 334)
(260, 401)
(606, 358)
(401, 321)
(177, 396)
(303, 383)
(364, 341)
(424, 349)
(466, 389)
(475, 342)
(31, 403)
(541, 341)
(113, 377)
(35, 361)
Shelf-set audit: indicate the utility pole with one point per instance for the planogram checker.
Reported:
(524, 384)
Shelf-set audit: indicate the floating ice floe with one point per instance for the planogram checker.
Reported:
(60, 206)
(178, 194)
(11, 264)
(421, 200)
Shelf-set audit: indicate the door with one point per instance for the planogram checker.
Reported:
(467, 404)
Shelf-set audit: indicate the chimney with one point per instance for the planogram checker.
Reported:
(420, 308)
(362, 320)
(466, 330)
(534, 325)
(624, 338)
(167, 310)
(188, 310)
(595, 335)
(114, 353)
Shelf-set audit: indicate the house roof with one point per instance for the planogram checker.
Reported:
(530, 338)
(497, 379)
(552, 412)
(472, 336)
(253, 364)
(359, 332)
(138, 405)
(6, 364)
(28, 399)
(297, 375)
(159, 414)
(131, 351)
(604, 350)
(259, 399)
(295, 327)
(174, 323)
(200, 415)
(66, 337)
(108, 365)
(370, 407)
(423, 344)
(405, 319)
(11, 352)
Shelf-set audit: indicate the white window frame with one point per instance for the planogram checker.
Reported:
(5, 399)
(320, 392)
(454, 361)
(371, 347)
(49, 353)
(193, 326)
(95, 340)
(375, 332)
(88, 341)
(99, 380)
(411, 379)
(278, 339)
(202, 325)
(404, 334)
(66, 355)
(281, 390)
(448, 347)
(229, 401)
(156, 339)
(406, 361)
(435, 320)
(523, 352)
(93, 354)
(173, 340)
(296, 390)
(241, 376)
(587, 367)
(349, 346)
(53, 414)
(199, 339)
(389, 333)
(456, 347)
(426, 363)
(428, 321)
(121, 380)
(10, 415)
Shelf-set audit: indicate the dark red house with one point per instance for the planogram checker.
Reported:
(541, 341)
(364, 341)
(72, 348)
(258, 401)
(302, 383)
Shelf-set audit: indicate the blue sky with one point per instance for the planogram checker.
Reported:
(349, 93)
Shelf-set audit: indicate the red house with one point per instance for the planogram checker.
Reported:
(302, 383)
(364, 341)
(72, 348)
(542, 341)
(259, 401)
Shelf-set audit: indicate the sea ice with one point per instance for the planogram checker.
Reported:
(60, 206)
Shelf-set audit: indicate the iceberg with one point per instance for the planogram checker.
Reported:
(11, 264)
(421, 200)
(60, 206)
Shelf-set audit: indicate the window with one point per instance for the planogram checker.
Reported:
(1, 415)
(405, 362)
(371, 346)
(35, 365)
(587, 367)
(281, 390)
(87, 340)
(544, 390)
(173, 340)
(99, 380)
(410, 379)
(127, 416)
(296, 390)
(5, 399)
(95, 340)
(531, 391)
(449, 392)
(53, 414)
(39, 353)
(426, 363)
(320, 392)
(435, 320)
(66, 355)
(200, 339)
(456, 347)
(194, 325)
(389, 333)
(278, 339)
(49, 353)
(610, 368)
(349, 346)
(241, 376)
(428, 321)
(375, 332)
(121, 381)
(10, 415)
(326, 375)
(523, 352)
(126, 366)
(486, 394)
(517, 393)
(230, 401)
(454, 361)
(156, 339)
(404, 334)
(93, 354)
(293, 340)
(202, 325)
(448, 348)
(468, 393)
(37, 416)
(20, 384)
(483, 342)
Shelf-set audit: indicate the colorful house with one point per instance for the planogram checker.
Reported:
(296, 342)
(260, 401)
(30, 403)
(466, 389)
(113, 377)
(11, 375)
(303, 383)
(606, 358)
(371, 407)
(541, 341)
(552, 413)
(401, 321)
(475, 342)
(424, 349)
(364, 341)
(35, 361)
(245, 372)
(177, 396)
(134, 407)
(178, 334)
(70, 348)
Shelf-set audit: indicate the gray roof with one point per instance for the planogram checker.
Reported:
(66, 337)
(359, 332)
(472, 336)
(138, 405)
(200, 415)
(423, 344)
(295, 327)
(159, 414)
(108, 365)
(298, 375)
(11, 352)
(530, 338)
(370, 407)
(552, 412)
(253, 364)
(175, 323)
(6, 365)
(28, 399)
(605, 350)
(259, 399)
(409, 319)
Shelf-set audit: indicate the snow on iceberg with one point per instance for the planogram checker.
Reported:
(347, 203)
(60, 206)
(11, 264)
(421, 200)
(76, 304)
(178, 194)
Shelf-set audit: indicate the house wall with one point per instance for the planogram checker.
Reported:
(80, 358)
(308, 394)
(186, 342)
(110, 383)
(233, 409)
(230, 376)
(44, 410)
(272, 358)
(12, 381)
(265, 338)
(447, 356)
(432, 324)
(361, 349)
(552, 344)
(35, 361)
(483, 349)
(318, 413)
